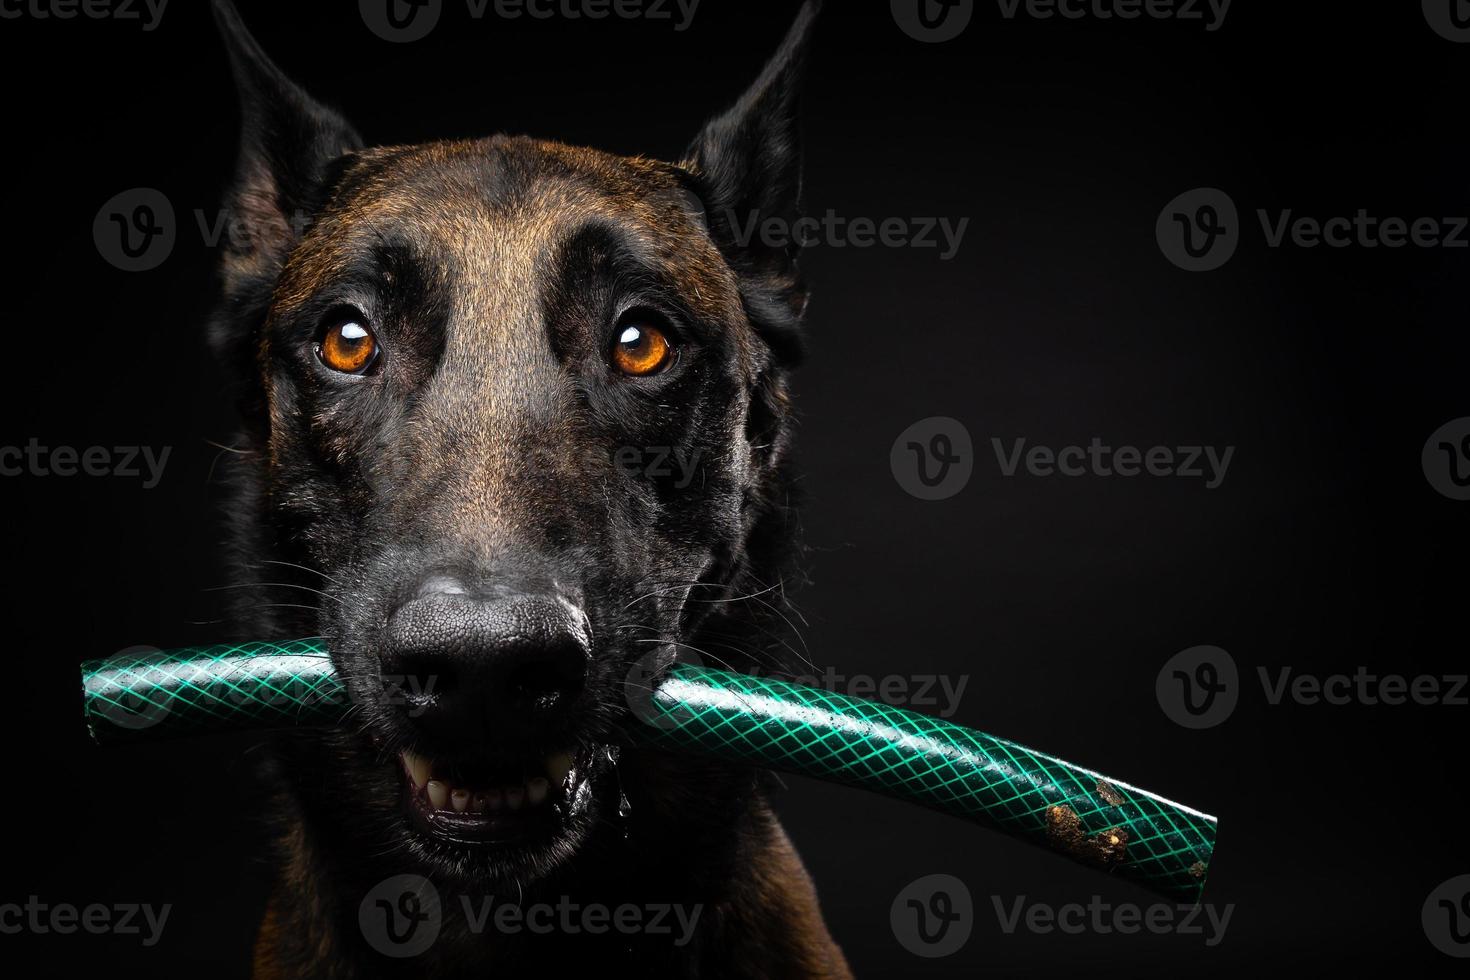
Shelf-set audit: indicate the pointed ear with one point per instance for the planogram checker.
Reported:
(289, 144)
(747, 163)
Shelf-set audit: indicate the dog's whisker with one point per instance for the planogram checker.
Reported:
(272, 585)
(304, 568)
(689, 646)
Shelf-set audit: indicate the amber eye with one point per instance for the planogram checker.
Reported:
(641, 350)
(349, 347)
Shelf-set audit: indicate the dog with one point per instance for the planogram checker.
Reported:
(459, 366)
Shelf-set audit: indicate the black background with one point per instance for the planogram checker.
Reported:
(1059, 320)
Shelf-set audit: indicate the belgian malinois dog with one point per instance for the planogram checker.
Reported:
(515, 424)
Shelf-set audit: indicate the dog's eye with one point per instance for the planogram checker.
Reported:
(641, 350)
(349, 347)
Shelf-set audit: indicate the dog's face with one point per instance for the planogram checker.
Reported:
(519, 405)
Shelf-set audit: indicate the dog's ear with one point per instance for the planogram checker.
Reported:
(748, 166)
(290, 146)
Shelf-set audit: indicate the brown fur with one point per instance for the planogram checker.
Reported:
(494, 271)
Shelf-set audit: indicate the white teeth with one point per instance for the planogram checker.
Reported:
(444, 796)
(438, 794)
(418, 768)
(536, 790)
(558, 764)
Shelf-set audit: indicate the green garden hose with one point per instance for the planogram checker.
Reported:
(770, 723)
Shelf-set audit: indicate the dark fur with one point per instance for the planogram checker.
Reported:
(493, 270)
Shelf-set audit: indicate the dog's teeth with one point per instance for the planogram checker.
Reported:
(515, 796)
(558, 764)
(418, 768)
(536, 790)
(460, 800)
(438, 794)
(494, 800)
(477, 803)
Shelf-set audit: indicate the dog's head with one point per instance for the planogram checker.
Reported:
(522, 407)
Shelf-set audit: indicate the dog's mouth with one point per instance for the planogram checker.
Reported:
(515, 801)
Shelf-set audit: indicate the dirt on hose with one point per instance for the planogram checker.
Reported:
(1065, 833)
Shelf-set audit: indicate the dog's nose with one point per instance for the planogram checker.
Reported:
(470, 666)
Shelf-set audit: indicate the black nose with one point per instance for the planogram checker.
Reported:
(469, 667)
